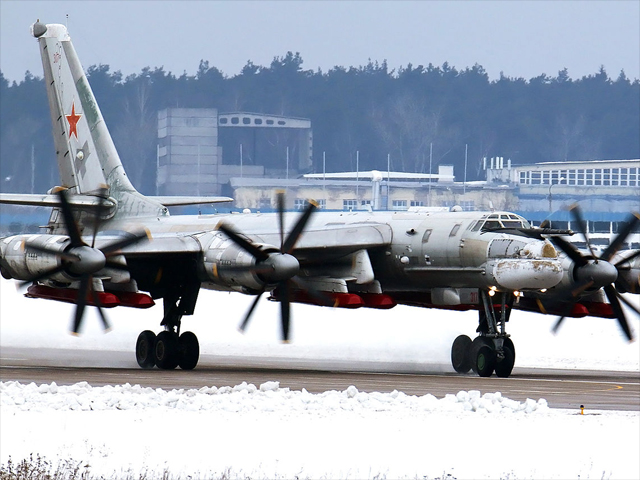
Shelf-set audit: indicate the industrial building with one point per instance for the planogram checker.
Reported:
(200, 149)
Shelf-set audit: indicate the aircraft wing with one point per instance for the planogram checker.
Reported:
(175, 201)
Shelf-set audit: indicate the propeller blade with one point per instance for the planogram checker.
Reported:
(628, 303)
(285, 309)
(567, 311)
(556, 326)
(577, 213)
(69, 257)
(42, 276)
(614, 246)
(581, 288)
(295, 233)
(629, 258)
(248, 247)
(83, 290)
(280, 200)
(571, 251)
(96, 300)
(70, 222)
(245, 322)
(611, 293)
(99, 212)
(125, 242)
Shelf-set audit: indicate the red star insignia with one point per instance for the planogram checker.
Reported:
(73, 121)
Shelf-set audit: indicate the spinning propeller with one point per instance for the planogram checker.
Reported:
(81, 260)
(276, 268)
(595, 272)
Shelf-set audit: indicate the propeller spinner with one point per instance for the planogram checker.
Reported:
(595, 272)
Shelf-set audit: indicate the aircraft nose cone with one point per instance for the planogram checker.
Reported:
(284, 266)
(602, 273)
(90, 260)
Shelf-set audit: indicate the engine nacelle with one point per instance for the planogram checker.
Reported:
(227, 265)
(22, 264)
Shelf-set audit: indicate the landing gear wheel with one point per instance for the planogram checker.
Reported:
(166, 350)
(488, 358)
(505, 366)
(145, 349)
(189, 351)
(509, 343)
(460, 354)
(485, 361)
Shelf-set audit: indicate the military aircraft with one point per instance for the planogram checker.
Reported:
(106, 245)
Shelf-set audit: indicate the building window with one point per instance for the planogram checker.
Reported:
(599, 227)
(264, 203)
(523, 177)
(364, 203)
(615, 176)
(299, 204)
(536, 178)
(597, 177)
(322, 203)
(417, 203)
(623, 176)
(350, 204)
(399, 205)
(468, 205)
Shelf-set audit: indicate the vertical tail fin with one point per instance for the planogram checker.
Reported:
(85, 151)
(87, 157)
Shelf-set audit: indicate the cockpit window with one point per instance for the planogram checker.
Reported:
(491, 224)
(502, 221)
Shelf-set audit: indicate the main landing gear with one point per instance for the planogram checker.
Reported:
(170, 349)
(492, 350)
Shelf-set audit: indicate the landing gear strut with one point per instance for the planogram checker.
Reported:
(492, 350)
(170, 349)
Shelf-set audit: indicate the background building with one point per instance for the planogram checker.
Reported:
(200, 150)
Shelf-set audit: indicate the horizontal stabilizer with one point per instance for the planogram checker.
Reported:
(175, 201)
(50, 200)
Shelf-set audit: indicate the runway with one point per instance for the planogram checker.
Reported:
(596, 390)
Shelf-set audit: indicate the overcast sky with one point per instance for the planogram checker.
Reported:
(519, 38)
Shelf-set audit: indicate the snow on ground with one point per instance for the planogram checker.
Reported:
(268, 432)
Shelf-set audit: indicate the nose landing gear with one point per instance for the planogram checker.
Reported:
(492, 350)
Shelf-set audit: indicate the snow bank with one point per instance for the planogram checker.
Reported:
(247, 398)
(265, 431)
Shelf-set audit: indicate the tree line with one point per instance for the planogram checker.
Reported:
(414, 114)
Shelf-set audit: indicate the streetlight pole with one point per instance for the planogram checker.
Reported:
(560, 180)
